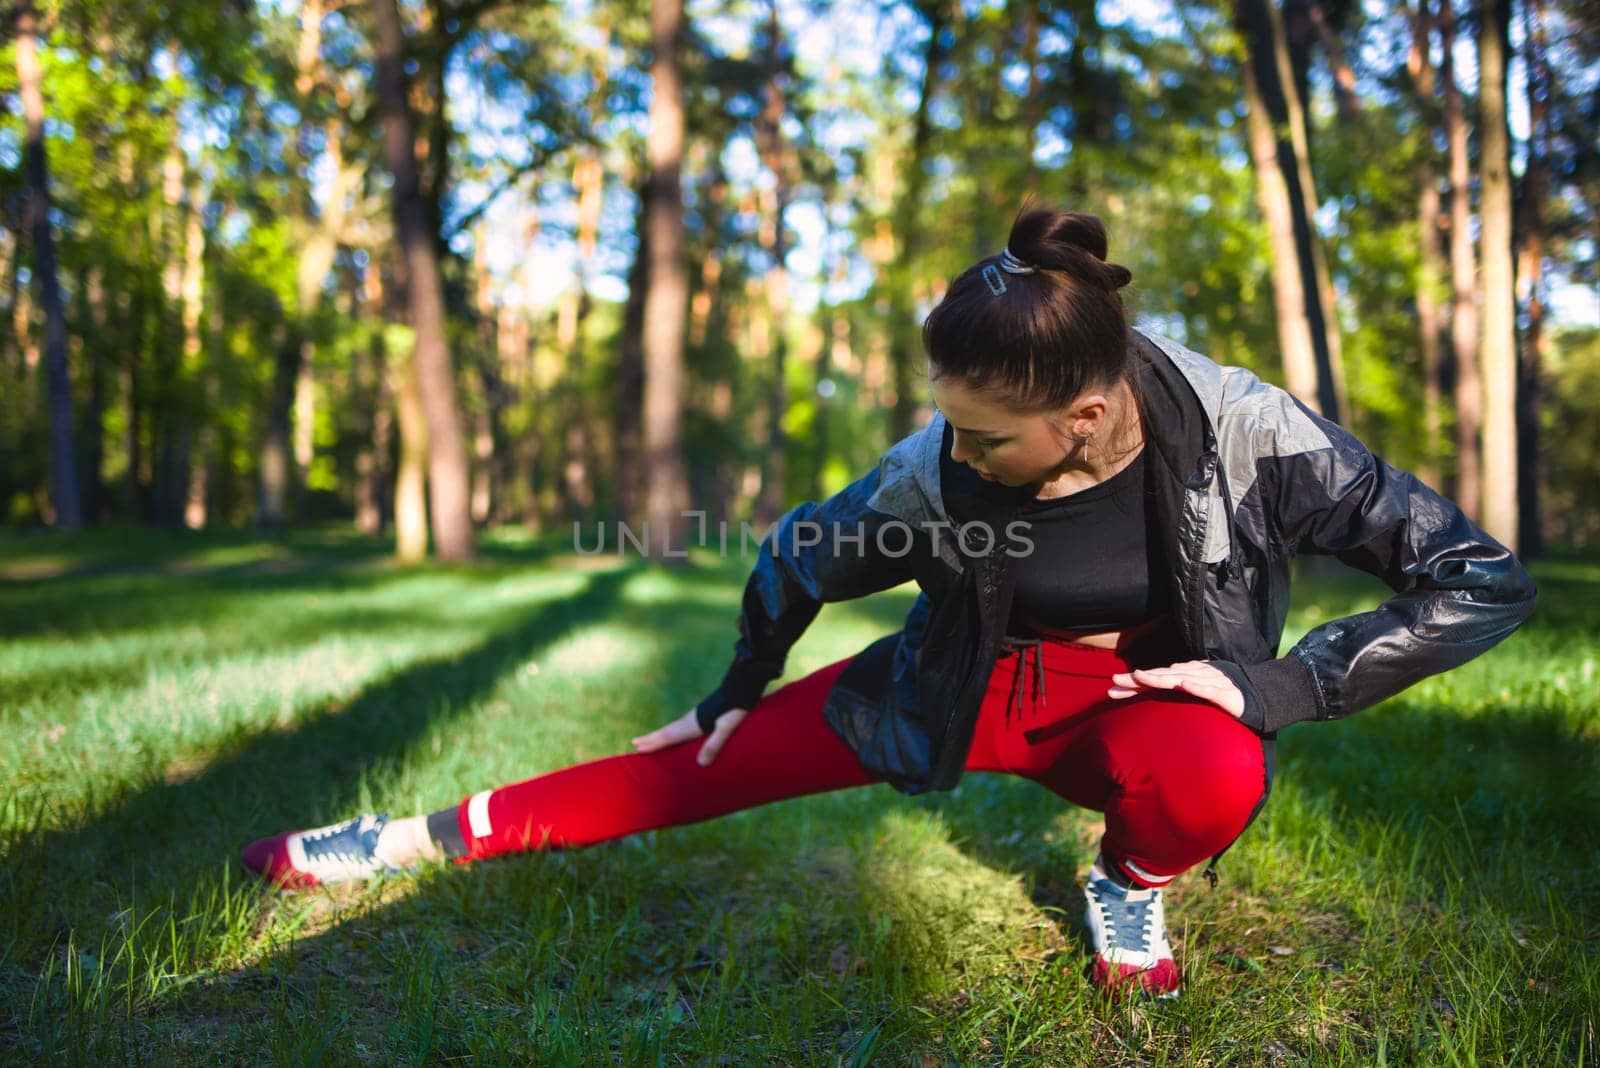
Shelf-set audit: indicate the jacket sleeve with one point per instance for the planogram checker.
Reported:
(1458, 592)
(815, 553)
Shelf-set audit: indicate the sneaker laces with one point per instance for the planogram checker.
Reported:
(354, 840)
(1128, 919)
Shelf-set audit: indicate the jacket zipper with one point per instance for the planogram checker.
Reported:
(1197, 564)
(975, 564)
(945, 748)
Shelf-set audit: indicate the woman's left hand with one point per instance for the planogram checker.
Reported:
(1195, 677)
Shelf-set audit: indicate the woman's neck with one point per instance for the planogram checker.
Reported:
(1110, 449)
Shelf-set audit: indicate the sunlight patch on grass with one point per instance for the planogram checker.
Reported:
(950, 918)
(648, 590)
(598, 651)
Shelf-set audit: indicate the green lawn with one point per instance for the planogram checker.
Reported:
(1424, 886)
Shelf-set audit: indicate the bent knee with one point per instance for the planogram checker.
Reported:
(1211, 774)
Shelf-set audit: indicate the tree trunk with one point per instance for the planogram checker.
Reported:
(134, 302)
(588, 178)
(488, 440)
(1430, 323)
(410, 493)
(1284, 184)
(1530, 380)
(1463, 278)
(201, 504)
(903, 335)
(174, 406)
(439, 30)
(667, 296)
(10, 341)
(64, 494)
(1499, 352)
(91, 434)
(629, 399)
(200, 406)
(423, 293)
(1326, 332)
(579, 461)
(373, 485)
(305, 415)
(775, 154)
(707, 309)
(275, 461)
(483, 451)
(1298, 351)
(1431, 267)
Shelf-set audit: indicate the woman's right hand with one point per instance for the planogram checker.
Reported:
(687, 728)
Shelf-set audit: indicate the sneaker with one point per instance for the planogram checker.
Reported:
(1129, 929)
(337, 853)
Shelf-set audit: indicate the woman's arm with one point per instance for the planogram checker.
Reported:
(816, 553)
(1458, 592)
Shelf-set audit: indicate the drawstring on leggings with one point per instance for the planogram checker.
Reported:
(1009, 645)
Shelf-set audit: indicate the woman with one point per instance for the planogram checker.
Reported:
(1098, 507)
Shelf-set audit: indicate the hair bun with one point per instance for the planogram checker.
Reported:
(1079, 230)
(1070, 241)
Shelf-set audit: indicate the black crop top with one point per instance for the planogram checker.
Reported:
(1096, 563)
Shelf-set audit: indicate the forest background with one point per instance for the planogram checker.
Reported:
(434, 267)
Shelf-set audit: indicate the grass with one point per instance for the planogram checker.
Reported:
(1423, 888)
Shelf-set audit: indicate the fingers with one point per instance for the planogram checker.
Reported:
(656, 739)
(1194, 677)
(1163, 678)
(687, 728)
(1128, 683)
(712, 746)
(678, 731)
(726, 723)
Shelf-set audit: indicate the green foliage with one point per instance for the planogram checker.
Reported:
(1139, 119)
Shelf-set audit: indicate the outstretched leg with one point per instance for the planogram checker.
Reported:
(783, 749)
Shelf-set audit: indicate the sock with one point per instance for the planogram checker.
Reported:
(1116, 873)
(445, 829)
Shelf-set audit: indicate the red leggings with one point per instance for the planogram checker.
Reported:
(1176, 777)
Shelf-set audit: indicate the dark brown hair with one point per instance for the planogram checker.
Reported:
(1036, 340)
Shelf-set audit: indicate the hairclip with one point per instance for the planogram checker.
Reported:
(1012, 265)
(992, 279)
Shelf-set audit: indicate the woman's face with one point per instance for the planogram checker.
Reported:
(1001, 444)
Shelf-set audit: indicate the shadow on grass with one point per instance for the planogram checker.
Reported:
(170, 835)
(1520, 783)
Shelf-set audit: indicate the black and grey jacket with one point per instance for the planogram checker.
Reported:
(1242, 476)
